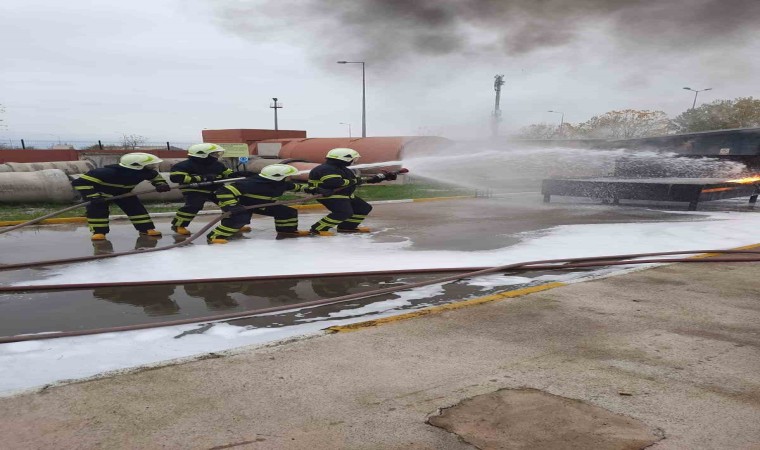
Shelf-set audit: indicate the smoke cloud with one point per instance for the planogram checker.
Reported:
(396, 30)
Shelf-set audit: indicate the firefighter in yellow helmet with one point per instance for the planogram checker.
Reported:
(97, 185)
(266, 187)
(337, 183)
(201, 165)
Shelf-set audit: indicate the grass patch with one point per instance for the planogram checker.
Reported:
(18, 211)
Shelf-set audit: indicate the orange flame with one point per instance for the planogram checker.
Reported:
(747, 180)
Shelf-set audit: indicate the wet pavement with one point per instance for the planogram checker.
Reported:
(462, 225)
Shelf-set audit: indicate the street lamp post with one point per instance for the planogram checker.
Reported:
(364, 96)
(561, 120)
(349, 128)
(275, 106)
(696, 92)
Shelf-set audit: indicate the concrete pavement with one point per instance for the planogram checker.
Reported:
(673, 350)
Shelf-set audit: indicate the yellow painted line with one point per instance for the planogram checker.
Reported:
(438, 199)
(10, 223)
(710, 255)
(446, 307)
(59, 220)
(317, 206)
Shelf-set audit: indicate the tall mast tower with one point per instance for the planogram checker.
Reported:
(496, 116)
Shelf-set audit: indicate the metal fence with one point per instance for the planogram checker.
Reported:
(39, 144)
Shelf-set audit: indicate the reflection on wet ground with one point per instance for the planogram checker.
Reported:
(115, 306)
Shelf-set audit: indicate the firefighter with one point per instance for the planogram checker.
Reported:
(97, 185)
(337, 183)
(201, 165)
(265, 187)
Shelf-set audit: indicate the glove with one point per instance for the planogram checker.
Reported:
(209, 177)
(96, 200)
(234, 209)
(390, 176)
(376, 179)
(319, 190)
(163, 188)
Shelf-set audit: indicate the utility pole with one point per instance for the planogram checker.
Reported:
(275, 106)
(496, 116)
(696, 92)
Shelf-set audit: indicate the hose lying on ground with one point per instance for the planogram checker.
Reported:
(249, 279)
(549, 264)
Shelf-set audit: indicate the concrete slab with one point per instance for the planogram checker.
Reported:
(676, 348)
(528, 418)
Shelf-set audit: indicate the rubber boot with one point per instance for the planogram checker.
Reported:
(98, 237)
(216, 241)
(181, 230)
(151, 232)
(245, 229)
(355, 230)
(321, 233)
(292, 234)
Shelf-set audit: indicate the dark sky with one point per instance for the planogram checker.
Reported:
(165, 70)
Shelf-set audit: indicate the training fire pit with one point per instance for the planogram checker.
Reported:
(689, 190)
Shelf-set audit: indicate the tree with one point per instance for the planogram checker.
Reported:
(132, 141)
(538, 131)
(742, 112)
(626, 124)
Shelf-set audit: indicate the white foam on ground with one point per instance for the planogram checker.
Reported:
(350, 253)
(29, 364)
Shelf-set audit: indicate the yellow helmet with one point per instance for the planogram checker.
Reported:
(277, 172)
(138, 161)
(203, 150)
(343, 154)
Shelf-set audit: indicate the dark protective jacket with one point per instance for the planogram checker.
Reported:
(194, 170)
(114, 180)
(335, 174)
(254, 191)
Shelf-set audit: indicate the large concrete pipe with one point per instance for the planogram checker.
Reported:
(167, 163)
(171, 196)
(51, 185)
(69, 167)
(255, 165)
(372, 149)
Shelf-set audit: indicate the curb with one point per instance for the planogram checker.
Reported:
(457, 304)
(62, 220)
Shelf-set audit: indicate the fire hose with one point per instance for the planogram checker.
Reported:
(190, 239)
(549, 264)
(109, 199)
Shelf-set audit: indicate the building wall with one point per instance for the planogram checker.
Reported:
(31, 156)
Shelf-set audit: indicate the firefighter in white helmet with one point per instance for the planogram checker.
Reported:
(201, 165)
(337, 183)
(98, 185)
(271, 183)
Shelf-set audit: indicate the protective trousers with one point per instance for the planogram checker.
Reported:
(194, 202)
(97, 215)
(285, 220)
(345, 213)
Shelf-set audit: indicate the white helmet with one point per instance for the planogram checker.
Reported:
(343, 154)
(138, 161)
(203, 150)
(277, 172)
